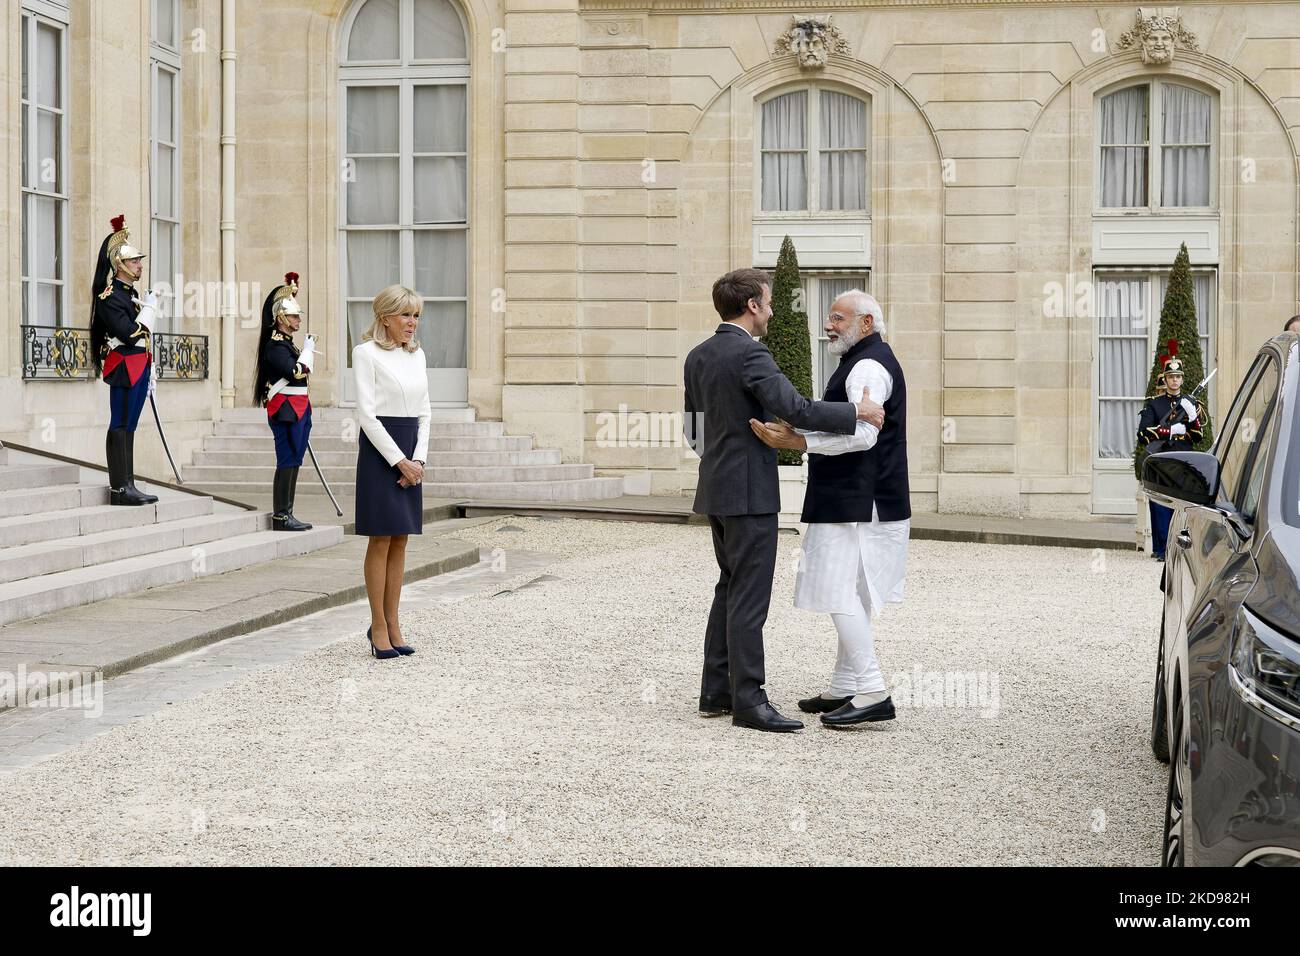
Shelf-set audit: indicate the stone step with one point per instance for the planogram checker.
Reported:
(37, 475)
(346, 427)
(202, 475)
(265, 455)
(30, 501)
(17, 530)
(61, 554)
(337, 413)
(32, 597)
(321, 443)
(570, 490)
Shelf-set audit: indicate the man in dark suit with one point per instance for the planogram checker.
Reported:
(731, 378)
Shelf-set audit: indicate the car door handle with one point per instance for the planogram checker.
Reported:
(1184, 540)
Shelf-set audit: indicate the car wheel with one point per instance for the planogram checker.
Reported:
(1159, 709)
(1173, 853)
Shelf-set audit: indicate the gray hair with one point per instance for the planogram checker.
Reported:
(864, 304)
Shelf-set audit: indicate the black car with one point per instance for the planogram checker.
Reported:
(1227, 690)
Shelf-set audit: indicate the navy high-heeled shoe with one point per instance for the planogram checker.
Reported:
(376, 652)
(404, 649)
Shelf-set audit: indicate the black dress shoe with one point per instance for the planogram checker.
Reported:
(848, 714)
(765, 717)
(822, 705)
(715, 706)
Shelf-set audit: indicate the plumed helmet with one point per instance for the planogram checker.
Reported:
(118, 245)
(284, 299)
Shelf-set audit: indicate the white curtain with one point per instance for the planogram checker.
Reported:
(439, 34)
(1123, 135)
(1123, 362)
(372, 127)
(374, 33)
(373, 262)
(843, 167)
(441, 332)
(1185, 146)
(440, 262)
(785, 174)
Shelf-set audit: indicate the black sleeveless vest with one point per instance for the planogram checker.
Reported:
(843, 488)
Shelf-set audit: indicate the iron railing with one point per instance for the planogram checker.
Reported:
(62, 353)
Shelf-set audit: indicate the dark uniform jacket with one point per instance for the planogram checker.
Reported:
(117, 312)
(1153, 425)
(280, 361)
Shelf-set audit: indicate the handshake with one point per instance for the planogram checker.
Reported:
(780, 435)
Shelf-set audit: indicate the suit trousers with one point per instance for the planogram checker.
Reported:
(745, 548)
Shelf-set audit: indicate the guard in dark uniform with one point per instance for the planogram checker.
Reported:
(1170, 421)
(280, 384)
(120, 342)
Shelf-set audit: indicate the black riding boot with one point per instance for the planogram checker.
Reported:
(282, 518)
(293, 495)
(120, 491)
(130, 470)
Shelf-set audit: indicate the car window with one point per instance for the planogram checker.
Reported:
(1247, 430)
(1258, 467)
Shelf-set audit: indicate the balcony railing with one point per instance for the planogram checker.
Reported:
(62, 353)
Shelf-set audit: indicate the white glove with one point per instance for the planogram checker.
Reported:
(1179, 429)
(149, 299)
(153, 376)
(146, 317)
(307, 359)
(1189, 407)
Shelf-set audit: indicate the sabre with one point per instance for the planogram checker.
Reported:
(163, 436)
(154, 405)
(1204, 382)
(325, 484)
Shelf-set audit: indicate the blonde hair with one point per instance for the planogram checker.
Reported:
(394, 300)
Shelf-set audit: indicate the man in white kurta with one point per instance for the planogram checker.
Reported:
(851, 569)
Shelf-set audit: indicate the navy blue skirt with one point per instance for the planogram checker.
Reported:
(383, 506)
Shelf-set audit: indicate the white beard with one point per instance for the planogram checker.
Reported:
(844, 342)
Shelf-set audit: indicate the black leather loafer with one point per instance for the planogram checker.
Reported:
(822, 705)
(715, 706)
(848, 714)
(765, 717)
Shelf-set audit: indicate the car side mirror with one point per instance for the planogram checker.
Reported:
(1173, 477)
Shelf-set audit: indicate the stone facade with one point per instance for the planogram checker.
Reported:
(612, 178)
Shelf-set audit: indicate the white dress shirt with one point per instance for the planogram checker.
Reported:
(836, 556)
(391, 382)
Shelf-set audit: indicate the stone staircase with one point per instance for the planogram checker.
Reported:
(468, 459)
(63, 545)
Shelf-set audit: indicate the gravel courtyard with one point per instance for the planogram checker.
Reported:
(556, 723)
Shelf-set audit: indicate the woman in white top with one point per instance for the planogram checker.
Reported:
(393, 411)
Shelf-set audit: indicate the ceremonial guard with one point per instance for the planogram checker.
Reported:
(280, 383)
(1170, 421)
(120, 342)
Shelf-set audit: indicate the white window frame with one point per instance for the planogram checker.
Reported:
(1155, 147)
(165, 59)
(812, 130)
(56, 16)
(1152, 305)
(406, 73)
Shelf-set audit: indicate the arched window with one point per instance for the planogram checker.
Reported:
(813, 153)
(404, 210)
(1155, 147)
